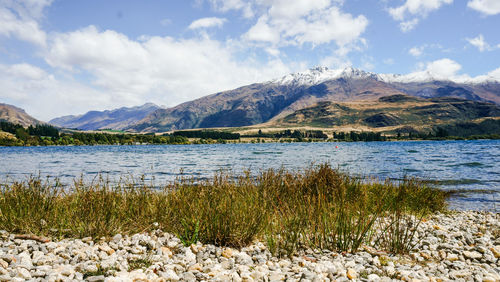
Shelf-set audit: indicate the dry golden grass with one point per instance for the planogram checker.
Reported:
(319, 207)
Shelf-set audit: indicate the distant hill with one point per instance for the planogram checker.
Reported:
(117, 119)
(16, 115)
(391, 111)
(273, 100)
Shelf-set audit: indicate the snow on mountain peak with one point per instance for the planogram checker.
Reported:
(320, 74)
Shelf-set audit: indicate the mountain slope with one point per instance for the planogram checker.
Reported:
(273, 100)
(16, 115)
(396, 110)
(117, 119)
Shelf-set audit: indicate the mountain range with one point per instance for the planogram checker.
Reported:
(318, 97)
(117, 119)
(273, 100)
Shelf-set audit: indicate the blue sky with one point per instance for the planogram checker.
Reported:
(61, 57)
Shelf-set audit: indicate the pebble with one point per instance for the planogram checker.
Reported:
(451, 246)
(472, 255)
(351, 274)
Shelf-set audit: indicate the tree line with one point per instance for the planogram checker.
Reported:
(46, 135)
(207, 134)
(288, 133)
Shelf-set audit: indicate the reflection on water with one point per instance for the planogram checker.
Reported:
(453, 165)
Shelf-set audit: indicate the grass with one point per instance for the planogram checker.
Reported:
(319, 207)
(141, 263)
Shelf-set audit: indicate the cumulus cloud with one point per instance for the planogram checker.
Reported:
(42, 94)
(480, 43)
(19, 19)
(163, 70)
(486, 7)
(25, 71)
(495, 74)
(410, 13)
(444, 68)
(263, 32)
(299, 22)
(207, 23)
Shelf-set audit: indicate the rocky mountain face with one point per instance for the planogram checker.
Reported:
(276, 99)
(16, 115)
(117, 119)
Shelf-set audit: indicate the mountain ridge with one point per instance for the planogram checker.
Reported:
(262, 102)
(391, 111)
(320, 74)
(13, 114)
(116, 119)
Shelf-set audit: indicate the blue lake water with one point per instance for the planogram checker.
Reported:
(473, 166)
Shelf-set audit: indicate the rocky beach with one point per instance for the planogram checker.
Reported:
(452, 246)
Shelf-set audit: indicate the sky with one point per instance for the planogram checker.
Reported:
(61, 57)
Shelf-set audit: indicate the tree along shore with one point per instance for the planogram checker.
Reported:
(47, 135)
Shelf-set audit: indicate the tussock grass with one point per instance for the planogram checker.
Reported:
(320, 208)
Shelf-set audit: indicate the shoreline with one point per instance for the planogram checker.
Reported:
(254, 141)
(456, 245)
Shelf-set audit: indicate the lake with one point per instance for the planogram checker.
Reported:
(473, 167)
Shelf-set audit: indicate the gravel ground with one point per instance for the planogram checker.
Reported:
(457, 246)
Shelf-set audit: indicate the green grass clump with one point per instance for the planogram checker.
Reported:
(141, 263)
(319, 207)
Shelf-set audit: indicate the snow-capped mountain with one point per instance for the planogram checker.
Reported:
(318, 75)
(272, 100)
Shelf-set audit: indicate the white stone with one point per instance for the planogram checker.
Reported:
(23, 273)
(170, 275)
(472, 255)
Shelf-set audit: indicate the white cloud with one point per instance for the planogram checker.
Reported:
(263, 32)
(207, 23)
(43, 95)
(408, 25)
(298, 22)
(444, 68)
(163, 70)
(410, 13)
(26, 30)
(495, 74)
(416, 51)
(492, 76)
(20, 18)
(25, 71)
(486, 7)
(479, 43)
(228, 5)
(27, 9)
